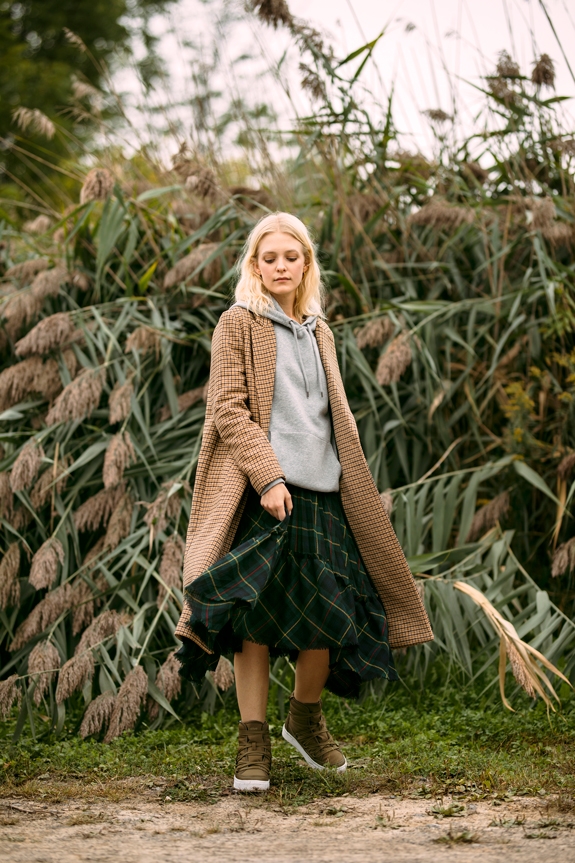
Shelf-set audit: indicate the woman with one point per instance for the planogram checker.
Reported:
(283, 483)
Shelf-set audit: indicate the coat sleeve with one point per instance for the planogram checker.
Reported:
(248, 444)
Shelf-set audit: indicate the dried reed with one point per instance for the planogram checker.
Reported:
(543, 74)
(83, 610)
(202, 181)
(9, 581)
(120, 522)
(387, 500)
(185, 401)
(102, 627)
(523, 657)
(119, 455)
(97, 715)
(394, 362)
(438, 115)
(128, 703)
(168, 681)
(171, 566)
(188, 265)
(49, 609)
(79, 399)
(6, 496)
(564, 558)
(163, 509)
(43, 662)
(374, 333)
(74, 674)
(566, 465)
(98, 185)
(49, 333)
(440, 215)
(272, 12)
(144, 340)
(40, 225)
(507, 67)
(10, 693)
(34, 120)
(44, 567)
(120, 401)
(25, 271)
(47, 283)
(223, 676)
(487, 516)
(48, 483)
(96, 511)
(26, 466)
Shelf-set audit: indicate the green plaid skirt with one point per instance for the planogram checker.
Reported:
(293, 585)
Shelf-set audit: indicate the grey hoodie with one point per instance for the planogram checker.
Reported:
(300, 426)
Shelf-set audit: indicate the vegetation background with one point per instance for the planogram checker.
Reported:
(449, 291)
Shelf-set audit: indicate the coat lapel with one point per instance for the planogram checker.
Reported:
(264, 362)
(337, 398)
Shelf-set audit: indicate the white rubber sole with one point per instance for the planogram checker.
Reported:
(313, 764)
(251, 784)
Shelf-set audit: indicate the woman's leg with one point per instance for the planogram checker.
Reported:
(252, 670)
(311, 673)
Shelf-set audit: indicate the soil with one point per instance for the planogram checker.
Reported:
(246, 829)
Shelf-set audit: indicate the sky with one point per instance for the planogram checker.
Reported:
(431, 52)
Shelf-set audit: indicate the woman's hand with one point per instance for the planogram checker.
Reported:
(277, 501)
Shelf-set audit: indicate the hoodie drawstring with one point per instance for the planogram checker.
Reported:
(315, 352)
(301, 365)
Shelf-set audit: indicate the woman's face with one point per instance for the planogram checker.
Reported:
(281, 264)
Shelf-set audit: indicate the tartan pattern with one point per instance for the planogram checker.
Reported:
(293, 585)
(236, 452)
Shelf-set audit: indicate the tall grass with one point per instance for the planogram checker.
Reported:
(450, 294)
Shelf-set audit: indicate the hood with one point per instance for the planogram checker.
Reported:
(299, 331)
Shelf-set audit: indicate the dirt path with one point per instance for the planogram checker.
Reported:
(369, 830)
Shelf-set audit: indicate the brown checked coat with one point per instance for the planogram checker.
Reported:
(236, 451)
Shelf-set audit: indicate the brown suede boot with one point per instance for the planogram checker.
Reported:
(307, 732)
(254, 758)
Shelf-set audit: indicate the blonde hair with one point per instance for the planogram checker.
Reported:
(250, 288)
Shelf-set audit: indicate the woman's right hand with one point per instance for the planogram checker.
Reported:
(277, 501)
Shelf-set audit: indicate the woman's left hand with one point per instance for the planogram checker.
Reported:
(277, 501)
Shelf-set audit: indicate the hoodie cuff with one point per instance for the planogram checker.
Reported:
(271, 485)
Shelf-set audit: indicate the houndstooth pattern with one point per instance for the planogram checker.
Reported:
(236, 452)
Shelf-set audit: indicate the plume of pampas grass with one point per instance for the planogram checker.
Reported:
(119, 455)
(98, 185)
(128, 703)
(74, 674)
(21, 518)
(163, 509)
(438, 115)
(387, 500)
(49, 333)
(543, 213)
(185, 401)
(98, 714)
(74, 39)
(39, 225)
(91, 557)
(202, 181)
(566, 465)
(43, 615)
(9, 582)
(168, 681)
(26, 466)
(374, 333)
(19, 309)
(223, 676)
(487, 516)
(34, 120)
(564, 558)
(80, 280)
(507, 67)
(79, 399)
(543, 74)
(10, 693)
(32, 376)
(559, 234)
(394, 362)
(43, 663)
(120, 522)
(96, 511)
(171, 566)
(144, 340)
(187, 266)
(45, 563)
(442, 216)
(26, 270)
(120, 401)
(83, 610)
(51, 481)
(6, 496)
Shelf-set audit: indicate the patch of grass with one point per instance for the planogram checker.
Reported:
(464, 837)
(423, 744)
